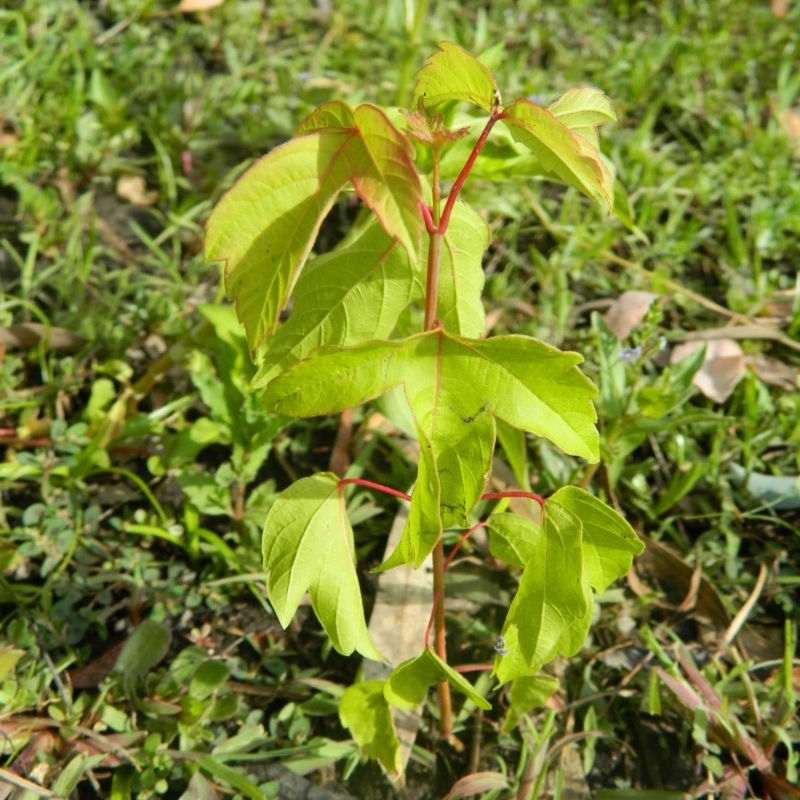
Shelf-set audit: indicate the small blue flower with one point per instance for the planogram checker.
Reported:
(630, 354)
(500, 646)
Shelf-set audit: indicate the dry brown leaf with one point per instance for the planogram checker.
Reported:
(780, 8)
(774, 372)
(28, 334)
(627, 311)
(789, 120)
(722, 369)
(188, 6)
(133, 188)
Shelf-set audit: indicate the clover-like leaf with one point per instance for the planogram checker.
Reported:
(451, 73)
(308, 546)
(571, 156)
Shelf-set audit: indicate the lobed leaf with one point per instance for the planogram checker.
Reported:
(513, 538)
(582, 109)
(359, 291)
(344, 297)
(460, 307)
(609, 542)
(455, 387)
(308, 546)
(572, 157)
(410, 681)
(264, 227)
(365, 712)
(451, 73)
(553, 607)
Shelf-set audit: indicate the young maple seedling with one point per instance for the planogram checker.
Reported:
(345, 343)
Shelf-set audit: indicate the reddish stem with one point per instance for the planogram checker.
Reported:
(461, 541)
(465, 170)
(430, 225)
(515, 493)
(474, 668)
(372, 485)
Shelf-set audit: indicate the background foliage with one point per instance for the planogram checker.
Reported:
(137, 657)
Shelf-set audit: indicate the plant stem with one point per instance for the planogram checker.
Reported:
(465, 170)
(372, 485)
(432, 280)
(439, 642)
(437, 227)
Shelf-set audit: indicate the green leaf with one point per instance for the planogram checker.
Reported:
(358, 292)
(454, 387)
(451, 73)
(233, 777)
(380, 162)
(208, 677)
(143, 649)
(354, 293)
(9, 657)
(308, 546)
(527, 693)
(571, 156)
(264, 227)
(365, 712)
(582, 109)
(410, 681)
(460, 307)
(609, 542)
(553, 604)
(513, 538)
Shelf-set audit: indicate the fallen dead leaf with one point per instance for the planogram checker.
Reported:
(28, 334)
(722, 369)
(780, 8)
(627, 311)
(188, 6)
(774, 372)
(133, 188)
(789, 120)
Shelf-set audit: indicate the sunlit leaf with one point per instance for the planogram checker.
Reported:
(572, 157)
(451, 73)
(609, 543)
(454, 387)
(513, 538)
(582, 109)
(527, 693)
(461, 277)
(358, 292)
(553, 604)
(364, 711)
(354, 293)
(265, 226)
(409, 682)
(308, 546)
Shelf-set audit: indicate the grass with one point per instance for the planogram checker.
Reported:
(137, 468)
